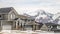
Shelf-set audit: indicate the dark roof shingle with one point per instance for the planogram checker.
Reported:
(5, 10)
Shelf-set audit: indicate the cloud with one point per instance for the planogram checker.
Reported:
(32, 5)
(30, 2)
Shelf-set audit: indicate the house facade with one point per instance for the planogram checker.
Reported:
(7, 18)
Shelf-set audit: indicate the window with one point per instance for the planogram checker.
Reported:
(0, 15)
(28, 25)
(28, 20)
(12, 16)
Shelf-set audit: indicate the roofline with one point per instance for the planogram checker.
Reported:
(15, 11)
(3, 13)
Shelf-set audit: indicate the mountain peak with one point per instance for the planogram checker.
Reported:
(41, 11)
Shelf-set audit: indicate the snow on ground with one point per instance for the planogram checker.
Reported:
(25, 32)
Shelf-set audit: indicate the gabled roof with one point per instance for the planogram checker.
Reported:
(5, 10)
(22, 16)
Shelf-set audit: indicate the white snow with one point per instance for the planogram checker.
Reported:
(58, 22)
(26, 32)
(42, 18)
(56, 18)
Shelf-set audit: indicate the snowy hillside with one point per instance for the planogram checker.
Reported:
(43, 17)
(40, 16)
(37, 13)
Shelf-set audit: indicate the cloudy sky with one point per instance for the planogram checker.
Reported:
(22, 6)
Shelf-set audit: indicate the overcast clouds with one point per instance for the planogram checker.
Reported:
(51, 6)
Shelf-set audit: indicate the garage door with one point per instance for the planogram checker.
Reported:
(6, 27)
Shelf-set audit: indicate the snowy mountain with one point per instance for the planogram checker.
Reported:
(39, 12)
(41, 16)
(44, 17)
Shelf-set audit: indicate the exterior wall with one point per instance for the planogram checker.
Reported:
(6, 17)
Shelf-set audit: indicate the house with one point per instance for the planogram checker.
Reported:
(27, 23)
(7, 18)
(23, 22)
